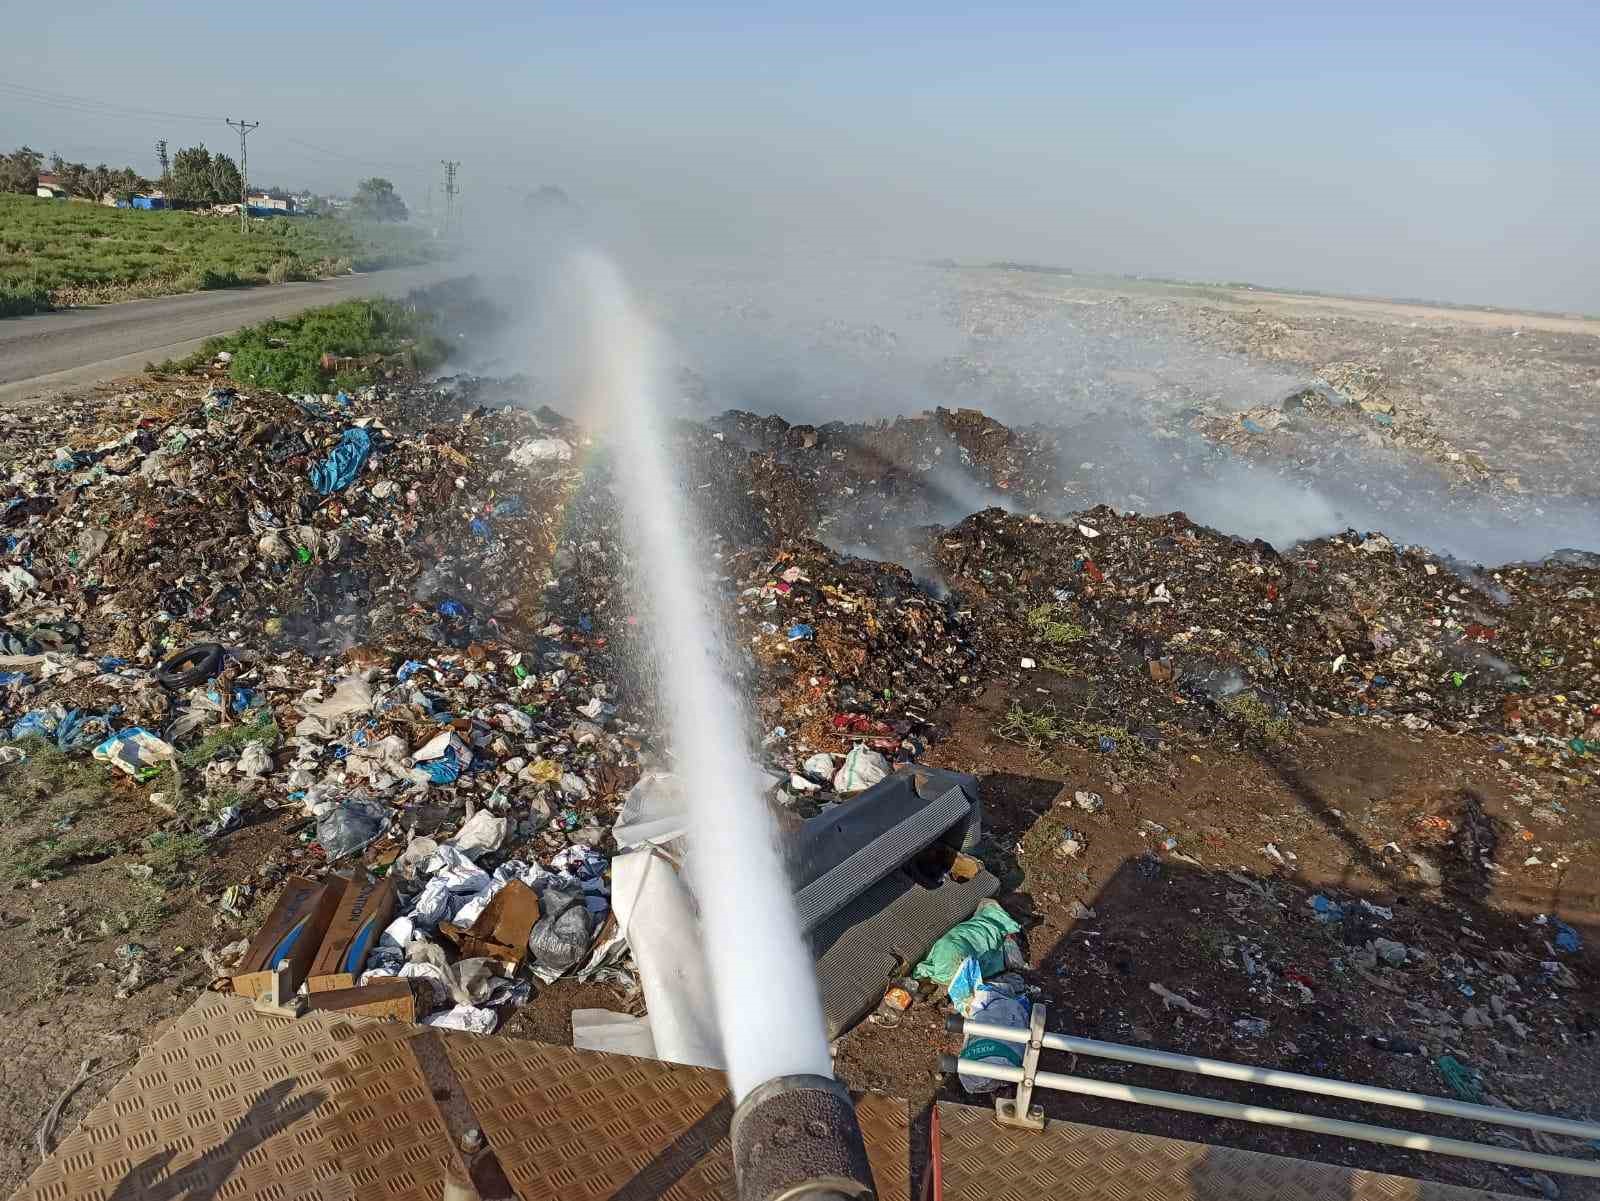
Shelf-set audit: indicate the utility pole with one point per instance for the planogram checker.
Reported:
(449, 191)
(244, 127)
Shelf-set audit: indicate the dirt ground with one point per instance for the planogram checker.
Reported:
(107, 943)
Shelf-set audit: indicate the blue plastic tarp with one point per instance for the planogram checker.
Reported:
(344, 462)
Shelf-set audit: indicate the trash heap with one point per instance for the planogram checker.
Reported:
(847, 653)
(1178, 625)
(370, 611)
(1347, 414)
(1156, 627)
(405, 619)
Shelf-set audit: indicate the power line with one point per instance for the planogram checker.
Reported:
(89, 106)
(85, 104)
(449, 191)
(350, 158)
(244, 127)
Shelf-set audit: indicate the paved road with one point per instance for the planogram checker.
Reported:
(44, 352)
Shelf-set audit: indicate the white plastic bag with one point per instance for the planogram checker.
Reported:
(863, 767)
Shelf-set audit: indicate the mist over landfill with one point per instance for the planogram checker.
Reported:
(869, 340)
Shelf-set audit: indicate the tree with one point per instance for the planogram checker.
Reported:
(161, 158)
(127, 184)
(226, 183)
(19, 170)
(191, 173)
(377, 200)
(75, 179)
(101, 180)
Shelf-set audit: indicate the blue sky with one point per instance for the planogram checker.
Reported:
(1440, 150)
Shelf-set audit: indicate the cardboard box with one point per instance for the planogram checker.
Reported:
(292, 931)
(366, 907)
(390, 998)
(501, 931)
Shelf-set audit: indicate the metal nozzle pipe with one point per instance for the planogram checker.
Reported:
(795, 1138)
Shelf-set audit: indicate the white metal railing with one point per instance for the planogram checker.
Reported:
(1022, 1113)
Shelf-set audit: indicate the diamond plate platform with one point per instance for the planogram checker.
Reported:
(983, 1160)
(232, 1106)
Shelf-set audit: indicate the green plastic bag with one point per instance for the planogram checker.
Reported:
(981, 937)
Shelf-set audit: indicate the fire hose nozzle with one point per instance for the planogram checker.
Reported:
(796, 1138)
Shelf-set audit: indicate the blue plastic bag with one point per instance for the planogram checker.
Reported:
(446, 769)
(38, 723)
(344, 461)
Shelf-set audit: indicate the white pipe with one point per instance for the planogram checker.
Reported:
(1274, 1078)
(1261, 1115)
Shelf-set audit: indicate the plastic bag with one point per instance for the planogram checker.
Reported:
(863, 767)
(483, 831)
(560, 938)
(541, 450)
(348, 827)
(653, 812)
(1000, 1003)
(343, 463)
(982, 937)
(135, 751)
(464, 1017)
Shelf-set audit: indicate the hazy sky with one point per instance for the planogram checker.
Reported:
(1443, 149)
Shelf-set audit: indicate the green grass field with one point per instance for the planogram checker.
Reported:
(55, 253)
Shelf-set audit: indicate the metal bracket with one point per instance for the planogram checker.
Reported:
(280, 1000)
(1022, 1113)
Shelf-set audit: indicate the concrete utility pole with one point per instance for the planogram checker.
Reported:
(449, 191)
(244, 127)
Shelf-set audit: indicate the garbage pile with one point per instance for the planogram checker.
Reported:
(847, 653)
(406, 617)
(1172, 614)
(368, 573)
(366, 609)
(1348, 412)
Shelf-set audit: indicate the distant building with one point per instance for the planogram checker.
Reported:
(277, 202)
(49, 187)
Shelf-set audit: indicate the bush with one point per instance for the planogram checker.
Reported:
(286, 355)
(285, 270)
(17, 299)
(210, 279)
